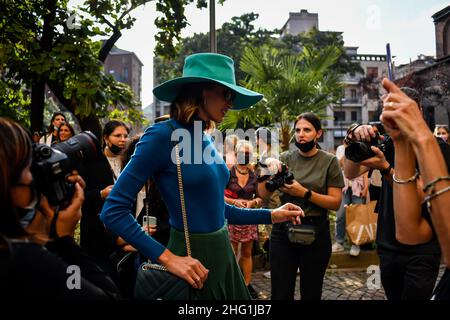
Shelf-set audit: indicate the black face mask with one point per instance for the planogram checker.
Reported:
(115, 149)
(26, 215)
(243, 158)
(307, 146)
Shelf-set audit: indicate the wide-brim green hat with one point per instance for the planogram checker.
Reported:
(208, 67)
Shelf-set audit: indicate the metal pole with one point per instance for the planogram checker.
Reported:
(212, 26)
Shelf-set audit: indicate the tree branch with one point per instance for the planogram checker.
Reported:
(108, 45)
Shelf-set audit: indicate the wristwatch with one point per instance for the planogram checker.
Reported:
(307, 195)
(386, 171)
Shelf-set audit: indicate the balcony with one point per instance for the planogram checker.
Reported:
(352, 102)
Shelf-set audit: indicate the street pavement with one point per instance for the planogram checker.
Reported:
(350, 284)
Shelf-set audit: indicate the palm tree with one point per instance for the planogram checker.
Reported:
(291, 84)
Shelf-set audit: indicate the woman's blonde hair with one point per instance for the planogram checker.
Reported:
(230, 142)
(190, 99)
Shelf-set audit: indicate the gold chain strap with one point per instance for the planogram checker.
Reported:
(183, 213)
(183, 207)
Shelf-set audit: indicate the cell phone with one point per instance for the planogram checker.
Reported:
(389, 62)
(149, 221)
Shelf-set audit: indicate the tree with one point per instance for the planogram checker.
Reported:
(231, 38)
(291, 84)
(40, 49)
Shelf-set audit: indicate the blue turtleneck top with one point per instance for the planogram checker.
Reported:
(204, 175)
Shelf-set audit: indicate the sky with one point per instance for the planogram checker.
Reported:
(368, 24)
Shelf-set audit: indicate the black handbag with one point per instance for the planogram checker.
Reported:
(153, 281)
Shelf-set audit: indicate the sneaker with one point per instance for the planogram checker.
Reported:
(354, 250)
(337, 247)
(267, 274)
(253, 292)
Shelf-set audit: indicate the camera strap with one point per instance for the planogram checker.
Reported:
(53, 233)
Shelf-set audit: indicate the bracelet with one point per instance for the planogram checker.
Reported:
(433, 182)
(411, 179)
(427, 199)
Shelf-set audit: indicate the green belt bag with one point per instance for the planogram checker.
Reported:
(302, 233)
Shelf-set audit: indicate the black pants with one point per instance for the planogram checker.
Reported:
(408, 276)
(287, 257)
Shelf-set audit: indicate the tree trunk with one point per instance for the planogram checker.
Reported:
(39, 80)
(37, 104)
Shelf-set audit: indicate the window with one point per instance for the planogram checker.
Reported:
(372, 72)
(125, 73)
(354, 115)
(353, 94)
(339, 115)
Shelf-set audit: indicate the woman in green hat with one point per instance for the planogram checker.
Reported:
(201, 97)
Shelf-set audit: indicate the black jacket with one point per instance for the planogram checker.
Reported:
(94, 238)
(29, 270)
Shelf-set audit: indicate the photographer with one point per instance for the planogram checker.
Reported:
(414, 141)
(409, 268)
(316, 188)
(36, 244)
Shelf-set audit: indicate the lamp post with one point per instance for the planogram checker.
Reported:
(212, 26)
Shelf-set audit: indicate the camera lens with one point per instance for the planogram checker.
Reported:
(84, 146)
(44, 152)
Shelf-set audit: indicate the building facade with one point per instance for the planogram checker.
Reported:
(361, 90)
(125, 67)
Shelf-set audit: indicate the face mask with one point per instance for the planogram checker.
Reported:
(28, 213)
(305, 147)
(115, 149)
(243, 158)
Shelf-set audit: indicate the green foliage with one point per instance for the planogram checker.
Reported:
(38, 45)
(232, 37)
(291, 84)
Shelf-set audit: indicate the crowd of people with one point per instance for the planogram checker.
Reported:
(224, 200)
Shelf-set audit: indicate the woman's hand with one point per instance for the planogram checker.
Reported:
(287, 212)
(150, 229)
(273, 166)
(187, 268)
(378, 161)
(363, 132)
(240, 203)
(68, 217)
(294, 189)
(402, 115)
(105, 192)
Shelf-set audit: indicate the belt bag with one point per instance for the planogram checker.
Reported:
(302, 233)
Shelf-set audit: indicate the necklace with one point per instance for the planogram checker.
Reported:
(241, 172)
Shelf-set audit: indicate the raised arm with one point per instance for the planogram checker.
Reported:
(402, 114)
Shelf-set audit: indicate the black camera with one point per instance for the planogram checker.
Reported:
(358, 151)
(280, 179)
(52, 165)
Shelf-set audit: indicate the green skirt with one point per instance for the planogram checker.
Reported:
(213, 250)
